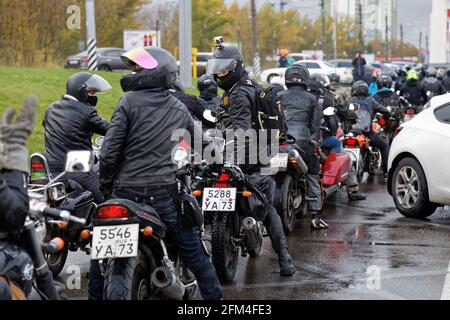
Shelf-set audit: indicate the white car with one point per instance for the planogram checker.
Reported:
(314, 66)
(419, 172)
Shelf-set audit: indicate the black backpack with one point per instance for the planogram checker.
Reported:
(267, 111)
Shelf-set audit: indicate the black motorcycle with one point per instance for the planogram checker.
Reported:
(32, 238)
(290, 193)
(237, 209)
(64, 196)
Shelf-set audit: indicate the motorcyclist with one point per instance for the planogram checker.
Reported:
(446, 81)
(361, 96)
(195, 105)
(15, 264)
(319, 86)
(70, 124)
(412, 89)
(235, 115)
(136, 162)
(208, 91)
(431, 85)
(304, 116)
(385, 94)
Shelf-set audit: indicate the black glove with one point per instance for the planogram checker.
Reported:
(14, 136)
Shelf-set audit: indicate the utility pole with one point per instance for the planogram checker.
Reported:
(420, 40)
(256, 59)
(427, 49)
(91, 35)
(185, 42)
(401, 40)
(335, 18)
(322, 12)
(360, 22)
(386, 38)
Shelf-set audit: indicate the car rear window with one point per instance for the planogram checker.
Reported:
(345, 64)
(311, 65)
(443, 114)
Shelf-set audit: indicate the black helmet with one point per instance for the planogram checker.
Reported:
(360, 88)
(81, 83)
(324, 80)
(158, 69)
(207, 87)
(384, 81)
(297, 75)
(227, 58)
(206, 81)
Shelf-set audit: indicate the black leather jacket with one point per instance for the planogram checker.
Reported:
(303, 114)
(137, 148)
(13, 201)
(236, 112)
(412, 91)
(69, 125)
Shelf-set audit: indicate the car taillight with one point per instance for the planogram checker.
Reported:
(351, 142)
(410, 111)
(397, 131)
(223, 180)
(112, 212)
(85, 59)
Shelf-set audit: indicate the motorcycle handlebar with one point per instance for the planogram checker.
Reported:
(62, 214)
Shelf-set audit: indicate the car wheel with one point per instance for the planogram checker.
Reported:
(410, 190)
(105, 67)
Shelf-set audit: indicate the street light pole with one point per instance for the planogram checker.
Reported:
(91, 37)
(185, 42)
(256, 59)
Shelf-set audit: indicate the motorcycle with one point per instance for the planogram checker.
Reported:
(291, 185)
(357, 144)
(129, 244)
(237, 210)
(32, 236)
(73, 199)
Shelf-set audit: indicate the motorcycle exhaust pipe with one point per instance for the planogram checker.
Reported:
(251, 232)
(165, 280)
(299, 165)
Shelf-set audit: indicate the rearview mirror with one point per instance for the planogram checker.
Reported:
(209, 116)
(79, 161)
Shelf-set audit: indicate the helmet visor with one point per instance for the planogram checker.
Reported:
(216, 66)
(97, 84)
(139, 57)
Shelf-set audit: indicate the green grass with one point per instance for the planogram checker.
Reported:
(49, 86)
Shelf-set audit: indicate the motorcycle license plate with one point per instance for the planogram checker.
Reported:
(280, 160)
(219, 199)
(109, 242)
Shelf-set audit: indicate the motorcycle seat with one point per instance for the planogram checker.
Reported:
(76, 199)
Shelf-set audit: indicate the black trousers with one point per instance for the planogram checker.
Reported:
(377, 142)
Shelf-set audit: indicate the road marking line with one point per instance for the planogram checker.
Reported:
(446, 290)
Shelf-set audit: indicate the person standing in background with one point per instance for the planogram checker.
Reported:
(358, 67)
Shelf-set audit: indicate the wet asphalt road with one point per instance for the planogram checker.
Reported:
(369, 251)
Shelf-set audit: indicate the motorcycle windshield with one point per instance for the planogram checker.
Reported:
(97, 84)
(363, 122)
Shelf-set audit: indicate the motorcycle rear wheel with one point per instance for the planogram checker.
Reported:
(56, 261)
(127, 279)
(224, 252)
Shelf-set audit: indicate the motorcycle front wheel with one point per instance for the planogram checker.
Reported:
(56, 261)
(224, 251)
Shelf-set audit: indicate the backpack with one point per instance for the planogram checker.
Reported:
(267, 111)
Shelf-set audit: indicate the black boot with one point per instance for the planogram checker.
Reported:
(317, 223)
(287, 267)
(356, 196)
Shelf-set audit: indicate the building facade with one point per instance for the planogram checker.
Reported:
(374, 15)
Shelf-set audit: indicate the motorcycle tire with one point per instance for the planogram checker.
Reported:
(56, 261)
(224, 253)
(127, 279)
(285, 196)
